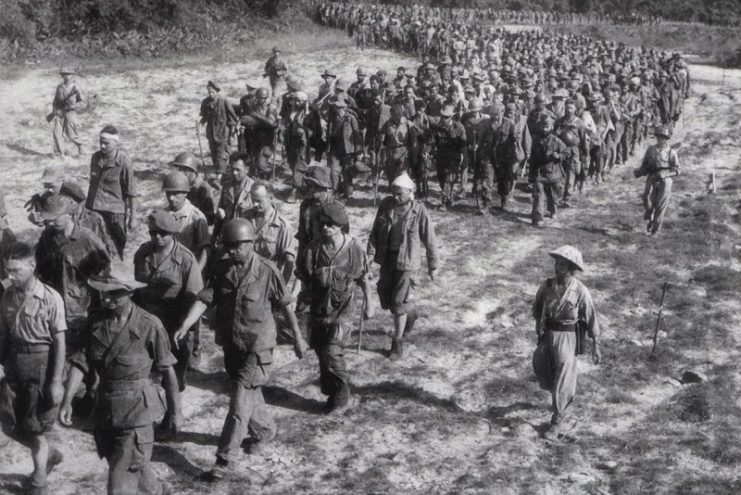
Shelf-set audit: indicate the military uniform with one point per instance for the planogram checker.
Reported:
(546, 174)
(275, 239)
(124, 354)
(345, 140)
(659, 165)
(112, 184)
(173, 283)
(68, 100)
(578, 154)
(450, 144)
(243, 295)
(220, 119)
(193, 228)
(202, 196)
(496, 155)
(397, 140)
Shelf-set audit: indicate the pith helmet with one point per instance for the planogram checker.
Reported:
(187, 160)
(239, 230)
(664, 131)
(569, 253)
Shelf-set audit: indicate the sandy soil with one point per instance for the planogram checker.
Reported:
(461, 413)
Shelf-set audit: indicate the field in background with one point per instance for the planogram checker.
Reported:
(461, 412)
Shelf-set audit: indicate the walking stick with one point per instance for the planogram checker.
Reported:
(362, 326)
(659, 315)
(275, 149)
(200, 147)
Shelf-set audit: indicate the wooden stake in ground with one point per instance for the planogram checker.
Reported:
(362, 326)
(200, 147)
(659, 316)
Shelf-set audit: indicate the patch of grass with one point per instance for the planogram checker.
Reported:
(718, 278)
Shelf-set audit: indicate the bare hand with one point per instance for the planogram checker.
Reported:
(368, 313)
(220, 214)
(433, 274)
(65, 414)
(55, 392)
(596, 354)
(178, 336)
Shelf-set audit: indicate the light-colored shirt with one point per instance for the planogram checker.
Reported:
(31, 320)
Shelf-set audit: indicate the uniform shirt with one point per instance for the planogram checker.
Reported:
(565, 304)
(92, 220)
(172, 283)
(219, 116)
(332, 277)
(450, 141)
(124, 353)
(659, 163)
(111, 182)
(396, 134)
(275, 238)
(193, 228)
(68, 98)
(548, 153)
(31, 320)
(67, 263)
(244, 295)
(201, 195)
(235, 199)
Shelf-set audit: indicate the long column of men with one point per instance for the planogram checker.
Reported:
(488, 113)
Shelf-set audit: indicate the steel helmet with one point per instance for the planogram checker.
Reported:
(570, 138)
(176, 182)
(238, 230)
(569, 253)
(262, 93)
(186, 160)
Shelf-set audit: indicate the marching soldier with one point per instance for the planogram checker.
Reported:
(296, 145)
(660, 164)
(345, 141)
(564, 313)
(260, 128)
(546, 172)
(497, 153)
(32, 344)
(449, 138)
(475, 127)
(221, 121)
(235, 199)
(401, 230)
(396, 142)
(243, 288)
(124, 346)
(579, 149)
(171, 279)
(68, 100)
(200, 193)
(276, 71)
(334, 265)
(193, 227)
(112, 192)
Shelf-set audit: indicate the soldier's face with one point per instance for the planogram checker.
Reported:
(66, 78)
(563, 268)
(361, 78)
(239, 171)
(330, 229)
(239, 251)
(114, 300)
(19, 272)
(212, 93)
(60, 223)
(176, 200)
(402, 195)
(261, 201)
(107, 145)
(570, 109)
(160, 238)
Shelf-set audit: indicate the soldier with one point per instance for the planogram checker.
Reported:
(475, 127)
(125, 345)
(449, 138)
(274, 235)
(51, 178)
(575, 164)
(243, 288)
(112, 192)
(334, 265)
(32, 343)
(546, 171)
(260, 133)
(401, 228)
(345, 141)
(235, 198)
(396, 141)
(200, 193)
(496, 156)
(171, 281)
(597, 123)
(193, 227)
(86, 218)
(7, 238)
(327, 87)
(563, 313)
(660, 164)
(276, 71)
(221, 122)
(66, 255)
(296, 144)
(68, 100)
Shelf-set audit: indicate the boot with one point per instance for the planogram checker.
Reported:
(397, 350)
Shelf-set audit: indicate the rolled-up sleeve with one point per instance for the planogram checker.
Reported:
(162, 357)
(587, 314)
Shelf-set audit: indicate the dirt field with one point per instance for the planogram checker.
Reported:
(461, 412)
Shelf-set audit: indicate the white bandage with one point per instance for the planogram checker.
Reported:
(107, 135)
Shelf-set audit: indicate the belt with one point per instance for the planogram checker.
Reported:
(554, 326)
(124, 385)
(29, 348)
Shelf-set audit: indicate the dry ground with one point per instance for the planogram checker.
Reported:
(461, 413)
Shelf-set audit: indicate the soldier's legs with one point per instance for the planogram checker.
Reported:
(647, 200)
(247, 409)
(183, 352)
(569, 179)
(444, 179)
(553, 191)
(626, 142)
(536, 214)
(116, 229)
(128, 452)
(484, 187)
(58, 134)
(562, 346)
(502, 175)
(70, 128)
(219, 156)
(596, 156)
(346, 164)
(335, 171)
(660, 195)
(327, 341)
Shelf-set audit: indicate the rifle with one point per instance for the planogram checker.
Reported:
(659, 316)
(275, 149)
(200, 147)
(53, 113)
